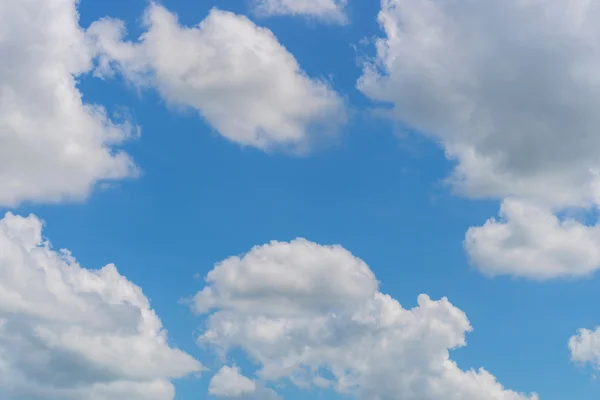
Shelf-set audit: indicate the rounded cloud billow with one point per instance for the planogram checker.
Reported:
(511, 90)
(336, 279)
(298, 308)
(69, 333)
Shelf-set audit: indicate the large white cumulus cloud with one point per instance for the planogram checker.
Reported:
(71, 333)
(510, 87)
(298, 309)
(234, 73)
(511, 90)
(53, 146)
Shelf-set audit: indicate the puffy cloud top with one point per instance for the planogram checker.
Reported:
(288, 278)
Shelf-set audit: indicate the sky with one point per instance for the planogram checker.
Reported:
(277, 199)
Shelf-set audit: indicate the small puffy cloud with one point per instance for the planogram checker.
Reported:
(585, 347)
(313, 315)
(530, 241)
(511, 90)
(69, 333)
(53, 146)
(325, 10)
(228, 382)
(235, 74)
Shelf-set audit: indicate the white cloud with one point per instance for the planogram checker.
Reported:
(326, 10)
(234, 73)
(300, 308)
(308, 276)
(228, 382)
(53, 146)
(71, 333)
(509, 88)
(585, 347)
(531, 241)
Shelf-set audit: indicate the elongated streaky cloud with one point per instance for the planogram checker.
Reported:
(331, 11)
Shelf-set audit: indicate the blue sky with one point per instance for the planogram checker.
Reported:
(378, 190)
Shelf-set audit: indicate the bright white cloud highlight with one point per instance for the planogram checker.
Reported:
(53, 146)
(71, 333)
(511, 90)
(299, 308)
(326, 10)
(234, 73)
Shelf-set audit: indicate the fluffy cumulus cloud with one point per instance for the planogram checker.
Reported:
(53, 146)
(326, 10)
(235, 74)
(313, 315)
(531, 241)
(585, 347)
(71, 333)
(510, 89)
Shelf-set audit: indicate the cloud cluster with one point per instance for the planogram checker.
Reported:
(235, 74)
(313, 315)
(67, 332)
(511, 91)
(53, 146)
(326, 10)
(509, 88)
